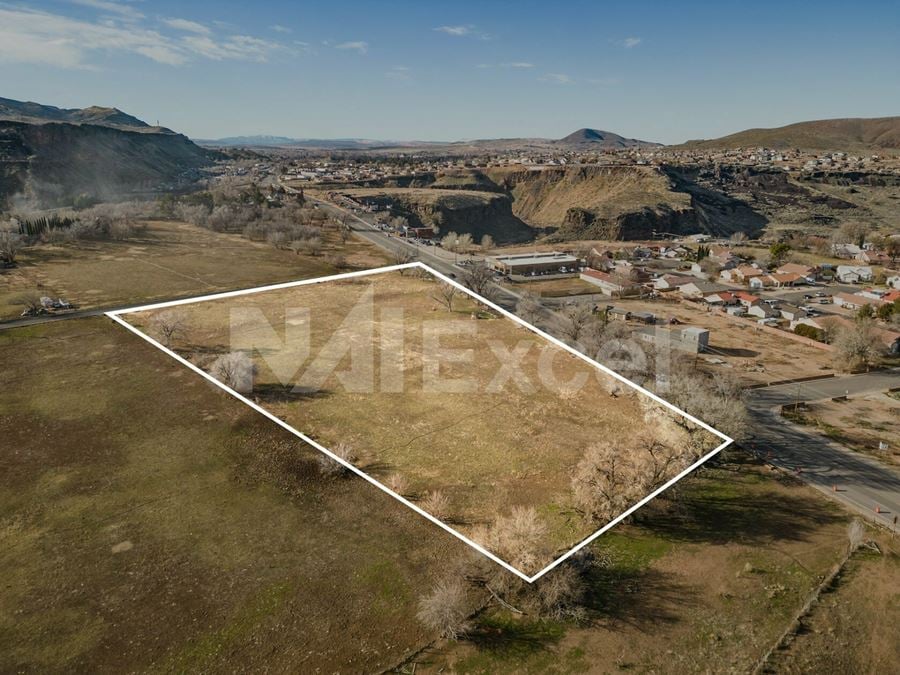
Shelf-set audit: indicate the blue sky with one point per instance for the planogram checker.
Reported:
(661, 71)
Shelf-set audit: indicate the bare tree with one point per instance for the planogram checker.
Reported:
(561, 592)
(479, 279)
(857, 346)
(403, 256)
(519, 537)
(446, 294)
(738, 238)
(10, 243)
(529, 308)
(169, 326)
(606, 482)
(236, 370)
(30, 300)
(446, 609)
(450, 241)
(464, 243)
(574, 319)
(719, 401)
(487, 242)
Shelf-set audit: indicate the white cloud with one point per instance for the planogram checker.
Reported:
(33, 36)
(187, 26)
(630, 42)
(459, 31)
(234, 47)
(467, 30)
(358, 46)
(278, 28)
(556, 78)
(517, 64)
(124, 10)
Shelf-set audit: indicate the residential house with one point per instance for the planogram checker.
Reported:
(873, 257)
(668, 282)
(740, 274)
(791, 312)
(853, 274)
(609, 284)
(721, 299)
(775, 280)
(851, 300)
(747, 299)
(806, 272)
(763, 311)
(845, 250)
(700, 289)
(692, 339)
(617, 314)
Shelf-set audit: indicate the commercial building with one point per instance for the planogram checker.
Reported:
(526, 264)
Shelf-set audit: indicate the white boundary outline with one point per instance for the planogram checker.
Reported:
(115, 315)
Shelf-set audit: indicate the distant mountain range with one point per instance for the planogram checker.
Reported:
(49, 155)
(594, 138)
(850, 134)
(583, 139)
(263, 141)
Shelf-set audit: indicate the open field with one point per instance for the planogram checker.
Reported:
(555, 288)
(859, 423)
(487, 436)
(853, 627)
(753, 354)
(148, 521)
(704, 583)
(170, 259)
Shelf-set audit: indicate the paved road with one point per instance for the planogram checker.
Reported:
(862, 483)
(504, 297)
(49, 318)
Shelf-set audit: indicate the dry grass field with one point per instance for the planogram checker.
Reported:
(497, 444)
(754, 355)
(555, 288)
(705, 584)
(170, 259)
(853, 628)
(150, 522)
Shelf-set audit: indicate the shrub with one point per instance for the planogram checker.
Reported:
(445, 610)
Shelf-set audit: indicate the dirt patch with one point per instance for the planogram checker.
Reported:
(867, 424)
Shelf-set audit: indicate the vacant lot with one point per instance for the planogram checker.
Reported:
(853, 628)
(555, 288)
(485, 435)
(703, 583)
(860, 423)
(753, 354)
(170, 259)
(148, 521)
